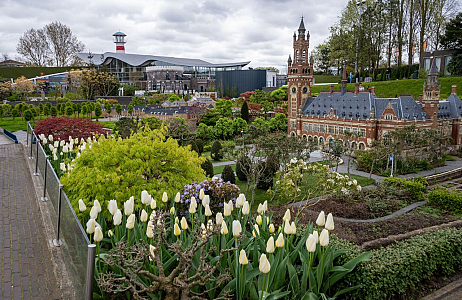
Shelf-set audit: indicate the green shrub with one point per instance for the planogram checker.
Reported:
(119, 169)
(242, 166)
(207, 148)
(125, 127)
(200, 145)
(194, 146)
(416, 187)
(207, 166)
(228, 175)
(395, 269)
(266, 178)
(445, 199)
(216, 152)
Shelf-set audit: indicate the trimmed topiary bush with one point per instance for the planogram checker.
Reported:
(207, 166)
(446, 200)
(266, 178)
(216, 151)
(194, 146)
(200, 145)
(228, 175)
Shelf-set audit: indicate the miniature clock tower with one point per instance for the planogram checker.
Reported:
(299, 78)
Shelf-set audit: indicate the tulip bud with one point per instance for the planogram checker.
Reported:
(176, 230)
(192, 207)
(294, 229)
(271, 228)
(144, 216)
(172, 210)
(62, 142)
(112, 206)
(246, 208)
(321, 220)
(230, 205)
(311, 243)
(324, 238)
(184, 224)
(259, 209)
(316, 237)
(201, 194)
(153, 204)
(62, 167)
(243, 258)
(151, 252)
(50, 137)
(94, 212)
(177, 220)
(218, 218)
(149, 230)
(65, 149)
(130, 222)
(98, 236)
(264, 207)
(208, 212)
(270, 245)
(91, 225)
(264, 265)
(177, 197)
(237, 229)
(206, 200)
(145, 197)
(164, 197)
(224, 228)
(256, 230)
(82, 206)
(117, 218)
(330, 222)
(55, 157)
(129, 205)
(286, 217)
(280, 241)
(259, 220)
(287, 228)
(226, 210)
(56, 144)
(110, 233)
(240, 200)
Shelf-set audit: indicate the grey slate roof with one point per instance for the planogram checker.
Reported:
(451, 108)
(144, 60)
(360, 106)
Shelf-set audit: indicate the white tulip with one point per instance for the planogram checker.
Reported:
(311, 243)
(91, 225)
(177, 197)
(265, 206)
(130, 222)
(218, 218)
(117, 218)
(287, 228)
(205, 200)
(224, 228)
(243, 258)
(145, 197)
(230, 205)
(164, 197)
(65, 149)
(184, 224)
(149, 230)
(280, 241)
(192, 207)
(264, 265)
(324, 238)
(208, 212)
(321, 220)
(316, 236)
(50, 137)
(270, 245)
(201, 194)
(97, 204)
(226, 210)
(240, 200)
(246, 208)
(286, 217)
(112, 206)
(153, 204)
(237, 229)
(98, 236)
(330, 222)
(129, 206)
(82, 206)
(94, 212)
(271, 228)
(256, 230)
(151, 252)
(144, 216)
(259, 220)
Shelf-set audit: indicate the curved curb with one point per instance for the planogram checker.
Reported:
(397, 213)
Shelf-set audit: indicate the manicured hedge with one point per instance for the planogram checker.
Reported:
(396, 269)
(416, 186)
(444, 199)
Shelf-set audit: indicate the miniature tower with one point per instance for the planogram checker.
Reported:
(119, 40)
(431, 94)
(299, 77)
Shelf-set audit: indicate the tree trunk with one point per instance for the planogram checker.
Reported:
(411, 33)
(400, 30)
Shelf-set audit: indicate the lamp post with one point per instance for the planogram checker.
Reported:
(360, 5)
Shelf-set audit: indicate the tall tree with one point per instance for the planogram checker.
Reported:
(54, 44)
(33, 45)
(452, 39)
(245, 112)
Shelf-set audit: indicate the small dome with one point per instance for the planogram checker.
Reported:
(119, 33)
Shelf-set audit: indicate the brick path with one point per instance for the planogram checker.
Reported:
(26, 268)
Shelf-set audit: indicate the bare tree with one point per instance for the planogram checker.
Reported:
(33, 45)
(63, 44)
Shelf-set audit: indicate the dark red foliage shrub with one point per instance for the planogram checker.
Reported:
(63, 127)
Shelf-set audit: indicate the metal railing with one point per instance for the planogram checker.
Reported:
(78, 253)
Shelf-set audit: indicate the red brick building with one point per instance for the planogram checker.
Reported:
(328, 116)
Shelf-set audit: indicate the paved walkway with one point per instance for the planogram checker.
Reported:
(26, 268)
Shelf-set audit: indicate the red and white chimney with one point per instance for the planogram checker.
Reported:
(119, 40)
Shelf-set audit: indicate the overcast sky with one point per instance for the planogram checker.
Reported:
(217, 31)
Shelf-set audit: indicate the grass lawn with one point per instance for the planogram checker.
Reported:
(108, 124)
(219, 169)
(392, 88)
(13, 125)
